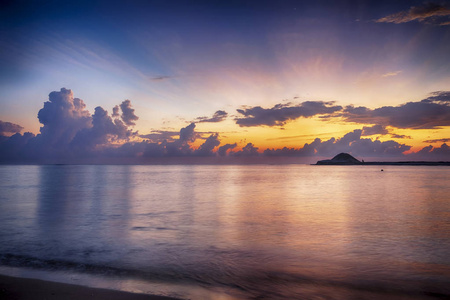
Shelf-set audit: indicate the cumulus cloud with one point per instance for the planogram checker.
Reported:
(62, 116)
(432, 112)
(431, 13)
(206, 149)
(351, 142)
(247, 150)
(68, 131)
(128, 115)
(280, 114)
(218, 116)
(8, 127)
(115, 113)
(178, 147)
(103, 131)
(222, 151)
(187, 134)
(433, 153)
(13, 149)
(373, 130)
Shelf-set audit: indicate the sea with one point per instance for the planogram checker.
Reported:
(231, 231)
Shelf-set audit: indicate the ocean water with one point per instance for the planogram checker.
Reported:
(231, 232)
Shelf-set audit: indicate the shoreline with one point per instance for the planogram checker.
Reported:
(406, 163)
(19, 288)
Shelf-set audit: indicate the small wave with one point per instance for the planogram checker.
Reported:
(143, 228)
(253, 284)
(14, 260)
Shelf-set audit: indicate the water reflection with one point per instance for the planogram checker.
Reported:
(280, 231)
(83, 211)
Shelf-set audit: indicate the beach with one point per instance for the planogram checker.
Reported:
(26, 288)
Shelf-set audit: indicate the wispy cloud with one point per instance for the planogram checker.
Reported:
(390, 74)
(431, 13)
(400, 136)
(160, 78)
(446, 140)
(8, 127)
(292, 137)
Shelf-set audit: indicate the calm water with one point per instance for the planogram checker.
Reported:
(256, 232)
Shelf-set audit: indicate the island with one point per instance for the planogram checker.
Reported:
(347, 159)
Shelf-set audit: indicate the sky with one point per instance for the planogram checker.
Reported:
(168, 79)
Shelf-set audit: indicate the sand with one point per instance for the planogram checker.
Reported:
(35, 289)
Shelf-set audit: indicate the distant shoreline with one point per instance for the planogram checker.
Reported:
(345, 159)
(386, 163)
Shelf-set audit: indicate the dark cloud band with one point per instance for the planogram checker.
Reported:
(280, 114)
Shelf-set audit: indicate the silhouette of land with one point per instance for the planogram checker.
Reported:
(347, 159)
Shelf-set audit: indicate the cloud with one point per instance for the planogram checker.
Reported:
(178, 147)
(247, 150)
(375, 129)
(160, 78)
(222, 151)
(431, 13)
(62, 117)
(280, 114)
(206, 149)
(351, 143)
(68, 131)
(400, 136)
(293, 137)
(442, 151)
(13, 149)
(433, 153)
(71, 134)
(187, 134)
(115, 113)
(128, 115)
(160, 135)
(432, 112)
(8, 127)
(390, 74)
(104, 130)
(181, 147)
(438, 141)
(441, 97)
(285, 151)
(218, 116)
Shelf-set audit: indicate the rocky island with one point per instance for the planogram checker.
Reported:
(340, 159)
(347, 159)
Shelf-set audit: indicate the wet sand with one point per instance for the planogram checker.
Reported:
(32, 289)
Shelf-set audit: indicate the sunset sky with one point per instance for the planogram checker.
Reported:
(367, 77)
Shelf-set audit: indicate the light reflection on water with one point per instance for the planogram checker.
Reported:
(289, 231)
